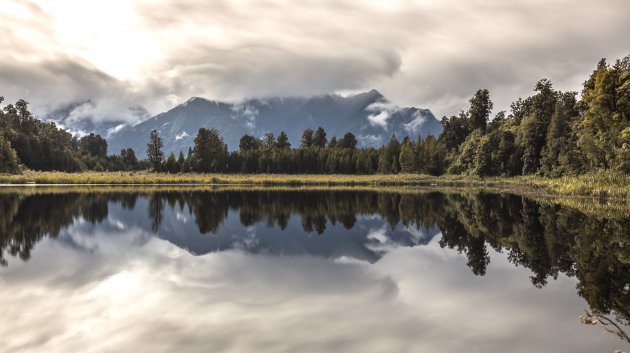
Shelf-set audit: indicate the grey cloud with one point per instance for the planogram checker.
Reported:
(153, 297)
(426, 54)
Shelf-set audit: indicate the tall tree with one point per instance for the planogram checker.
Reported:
(534, 127)
(269, 141)
(320, 139)
(154, 150)
(283, 141)
(171, 164)
(181, 162)
(333, 143)
(128, 158)
(93, 145)
(8, 157)
(248, 143)
(348, 141)
(406, 159)
(480, 108)
(210, 153)
(307, 139)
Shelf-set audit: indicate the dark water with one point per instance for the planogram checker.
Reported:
(308, 271)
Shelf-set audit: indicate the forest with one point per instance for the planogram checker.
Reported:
(550, 134)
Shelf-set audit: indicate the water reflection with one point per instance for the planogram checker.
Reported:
(341, 227)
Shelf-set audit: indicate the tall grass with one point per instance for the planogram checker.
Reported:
(598, 185)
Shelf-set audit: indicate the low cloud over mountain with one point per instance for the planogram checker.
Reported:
(368, 115)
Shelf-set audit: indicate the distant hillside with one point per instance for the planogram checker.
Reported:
(368, 115)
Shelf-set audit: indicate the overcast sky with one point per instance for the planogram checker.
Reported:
(434, 54)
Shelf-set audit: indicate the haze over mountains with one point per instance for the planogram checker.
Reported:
(368, 115)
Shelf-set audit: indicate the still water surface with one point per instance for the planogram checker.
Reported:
(307, 271)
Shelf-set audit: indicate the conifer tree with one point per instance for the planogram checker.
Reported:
(154, 150)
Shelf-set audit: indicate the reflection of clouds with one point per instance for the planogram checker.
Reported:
(116, 223)
(180, 216)
(380, 241)
(420, 235)
(247, 241)
(157, 298)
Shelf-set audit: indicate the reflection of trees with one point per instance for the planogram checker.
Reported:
(156, 205)
(25, 220)
(547, 239)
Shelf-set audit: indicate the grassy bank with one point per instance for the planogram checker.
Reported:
(600, 185)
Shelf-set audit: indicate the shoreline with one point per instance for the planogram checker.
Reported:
(602, 185)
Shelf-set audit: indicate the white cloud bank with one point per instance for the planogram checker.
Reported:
(432, 54)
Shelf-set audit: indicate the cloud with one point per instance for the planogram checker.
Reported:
(246, 113)
(181, 135)
(413, 127)
(154, 297)
(114, 130)
(382, 111)
(431, 54)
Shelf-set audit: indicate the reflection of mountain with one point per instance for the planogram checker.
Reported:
(548, 239)
(335, 241)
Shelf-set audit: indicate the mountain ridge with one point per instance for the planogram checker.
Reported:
(369, 115)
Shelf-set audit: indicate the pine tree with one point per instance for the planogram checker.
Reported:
(181, 162)
(171, 164)
(320, 138)
(248, 143)
(269, 141)
(333, 143)
(283, 141)
(406, 159)
(307, 139)
(210, 153)
(348, 141)
(154, 150)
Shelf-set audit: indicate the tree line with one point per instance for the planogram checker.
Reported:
(550, 133)
(27, 142)
(315, 155)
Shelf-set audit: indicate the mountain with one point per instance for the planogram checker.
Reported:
(368, 115)
(76, 118)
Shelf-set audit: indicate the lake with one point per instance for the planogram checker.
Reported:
(113, 269)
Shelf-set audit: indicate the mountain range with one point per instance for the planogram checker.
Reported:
(371, 117)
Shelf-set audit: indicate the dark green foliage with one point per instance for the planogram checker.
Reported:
(480, 107)
(248, 143)
(307, 139)
(37, 145)
(333, 142)
(181, 162)
(388, 159)
(283, 141)
(210, 152)
(320, 139)
(269, 141)
(347, 141)
(549, 133)
(8, 157)
(407, 159)
(535, 126)
(171, 165)
(93, 145)
(154, 150)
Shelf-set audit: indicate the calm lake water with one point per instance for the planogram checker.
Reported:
(224, 270)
